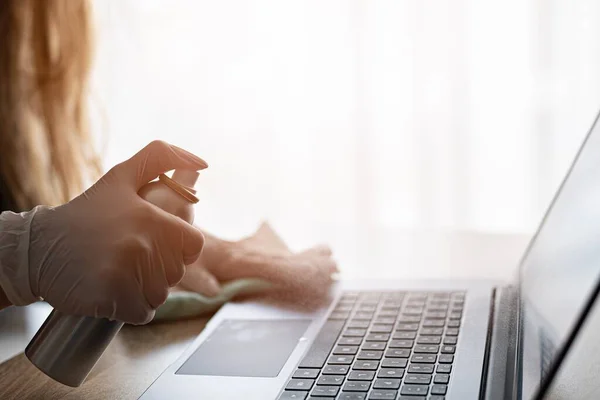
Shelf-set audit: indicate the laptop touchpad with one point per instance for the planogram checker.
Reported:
(256, 348)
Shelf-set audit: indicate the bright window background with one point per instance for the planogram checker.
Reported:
(355, 115)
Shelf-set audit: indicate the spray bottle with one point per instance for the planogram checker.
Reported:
(67, 347)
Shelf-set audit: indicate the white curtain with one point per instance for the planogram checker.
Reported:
(343, 115)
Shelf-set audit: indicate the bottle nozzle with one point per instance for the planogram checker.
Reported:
(186, 177)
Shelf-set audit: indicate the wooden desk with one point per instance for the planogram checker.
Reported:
(131, 363)
(138, 355)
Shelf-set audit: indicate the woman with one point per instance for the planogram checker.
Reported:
(47, 155)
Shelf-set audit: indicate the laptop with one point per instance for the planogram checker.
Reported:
(385, 339)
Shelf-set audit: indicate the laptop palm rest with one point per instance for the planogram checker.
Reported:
(246, 348)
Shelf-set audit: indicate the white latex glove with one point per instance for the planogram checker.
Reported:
(107, 253)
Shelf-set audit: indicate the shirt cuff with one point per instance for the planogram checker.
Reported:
(14, 256)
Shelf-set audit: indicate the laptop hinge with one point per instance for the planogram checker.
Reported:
(498, 382)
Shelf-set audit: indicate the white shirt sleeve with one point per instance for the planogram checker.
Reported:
(14, 256)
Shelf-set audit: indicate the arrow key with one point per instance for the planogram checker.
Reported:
(387, 384)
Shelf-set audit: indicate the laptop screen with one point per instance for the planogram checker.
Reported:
(560, 272)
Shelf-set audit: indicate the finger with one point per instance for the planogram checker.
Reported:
(154, 159)
(265, 239)
(155, 283)
(197, 279)
(321, 250)
(181, 236)
(265, 232)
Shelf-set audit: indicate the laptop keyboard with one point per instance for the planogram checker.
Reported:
(382, 345)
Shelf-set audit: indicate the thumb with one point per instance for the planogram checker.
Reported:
(154, 159)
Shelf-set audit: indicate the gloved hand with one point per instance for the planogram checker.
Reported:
(109, 253)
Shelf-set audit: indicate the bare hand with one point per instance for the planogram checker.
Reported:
(262, 255)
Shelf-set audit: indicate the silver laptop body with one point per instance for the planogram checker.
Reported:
(378, 339)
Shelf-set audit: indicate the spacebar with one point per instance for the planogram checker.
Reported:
(322, 345)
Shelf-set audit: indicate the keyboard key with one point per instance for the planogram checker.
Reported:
(361, 376)
(434, 323)
(406, 319)
(453, 323)
(351, 332)
(352, 396)
(343, 308)
(365, 365)
(423, 358)
(415, 390)
(404, 335)
(450, 340)
(387, 313)
(420, 369)
(385, 320)
(367, 308)
(434, 397)
(358, 324)
(433, 349)
(349, 341)
(300, 384)
(446, 359)
(377, 337)
(397, 353)
(351, 350)
(390, 373)
(387, 384)
(306, 373)
(444, 369)
(441, 308)
(448, 349)
(435, 315)
(441, 378)
(370, 298)
(340, 360)
(455, 315)
(413, 311)
(369, 355)
(293, 395)
(335, 370)
(363, 315)
(322, 345)
(331, 380)
(407, 327)
(439, 389)
(394, 362)
(431, 331)
(357, 386)
(452, 331)
(429, 340)
(373, 346)
(418, 296)
(325, 391)
(439, 302)
(435, 304)
(417, 379)
(401, 344)
(381, 328)
(381, 394)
